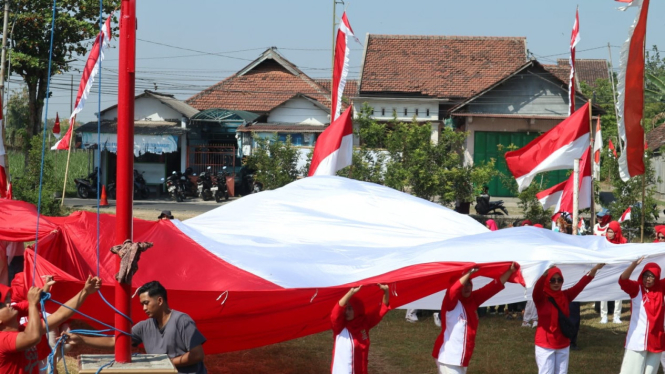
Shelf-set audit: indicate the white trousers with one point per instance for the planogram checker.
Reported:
(617, 309)
(450, 369)
(530, 312)
(552, 361)
(640, 362)
(411, 314)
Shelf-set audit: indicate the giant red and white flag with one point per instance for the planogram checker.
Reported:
(630, 102)
(4, 188)
(561, 196)
(554, 150)
(334, 147)
(597, 148)
(90, 70)
(574, 39)
(341, 66)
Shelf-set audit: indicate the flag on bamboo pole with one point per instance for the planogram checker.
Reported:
(574, 39)
(4, 188)
(630, 102)
(611, 147)
(597, 147)
(334, 147)
(340, 66)
(625, 216)
(90, 70)
(554, 150)
(560, 196)
(56, 126)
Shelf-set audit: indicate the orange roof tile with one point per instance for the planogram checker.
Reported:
(588, 70)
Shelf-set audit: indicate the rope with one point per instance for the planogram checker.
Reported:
(41, 171)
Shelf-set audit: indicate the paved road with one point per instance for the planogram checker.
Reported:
(191, 205)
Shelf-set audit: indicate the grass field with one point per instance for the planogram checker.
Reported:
(502, 347)
(78, 167)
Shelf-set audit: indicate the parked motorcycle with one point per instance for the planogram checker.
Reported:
(175, 186)
(205, 184)
(249, 185)
(219, 187)
(141, 190)
(190, 187)
(87, 187)
(484, 206)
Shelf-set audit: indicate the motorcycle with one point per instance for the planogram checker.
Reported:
(87, 187)
(249, 185)
(190, 188)
(484, 206)
(205, 184)
(219, 187)
(141, 190)
(175, 186)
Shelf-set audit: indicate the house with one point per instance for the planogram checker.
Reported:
(286, 101)
(655, 142)
(160, 136)
(483, 85)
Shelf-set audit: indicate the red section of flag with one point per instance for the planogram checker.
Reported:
(554, 150)
(334, 147)
(341, 66)
(63, 143)
(56, 125)
(625, 216)
(574, 39)
(611, 147)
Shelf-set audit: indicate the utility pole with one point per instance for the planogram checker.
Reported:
(334, 23)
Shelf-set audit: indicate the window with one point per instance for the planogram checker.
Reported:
(427, 112)
(296, 138)
(416, 112)
(383, 111)
(405, 111)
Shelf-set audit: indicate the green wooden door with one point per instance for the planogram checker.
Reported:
(486, 147)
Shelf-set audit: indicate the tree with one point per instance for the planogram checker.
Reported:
(26, 186)
(16, 119)
(275, 162)
(76, 25)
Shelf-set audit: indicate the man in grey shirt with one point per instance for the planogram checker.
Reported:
(167, 331)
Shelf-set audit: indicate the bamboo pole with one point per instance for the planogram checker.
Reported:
(69, 152)
(593, 190)
(614, 94)
(576, 188)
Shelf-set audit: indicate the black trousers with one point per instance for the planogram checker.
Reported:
(574, 309)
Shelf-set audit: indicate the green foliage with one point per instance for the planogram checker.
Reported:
(79, 166)
(402, 156)
(275, 162)
(16, 119)
(26, 185)
(76, 23)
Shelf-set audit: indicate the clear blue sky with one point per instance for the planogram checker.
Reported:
(204, 41)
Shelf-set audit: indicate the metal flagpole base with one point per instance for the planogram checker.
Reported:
(141, 364)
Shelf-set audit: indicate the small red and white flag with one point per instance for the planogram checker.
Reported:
(341, 65)
(334, 147)
(597, 147)
(630, 100)
(574, 39)
(625, 216)
(560, 196)
(4, 187)
(90, 70)
(56, 126)
(611, 147)
(554, 150)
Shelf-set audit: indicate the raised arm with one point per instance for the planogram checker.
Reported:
(92, 284)
(575, 290)
(504, 278)
(453, 293)
(31, 336)
(386, 293)
(629, 270)
(345, 299)
(92, 341)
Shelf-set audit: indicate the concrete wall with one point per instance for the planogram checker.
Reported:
(384, 108)
(474, 124)
(147, 108)
(301, 111)
(659, 166)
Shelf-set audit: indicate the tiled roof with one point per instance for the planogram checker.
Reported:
(438, 66)
(656, 137)
(263, 85)
(588, 71)
(276, 127)
(350, 90)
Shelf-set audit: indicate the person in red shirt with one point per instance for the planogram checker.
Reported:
(645, 340)
(660, 234)
(459, 321)
(18, 344)
(552, 347)
(351, 327)
(613, 233)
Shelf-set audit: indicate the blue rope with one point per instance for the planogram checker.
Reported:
(47, 296)
(41, 171)
(112, 307)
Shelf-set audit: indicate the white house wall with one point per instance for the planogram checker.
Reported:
(300, 111)
(423, 110)
(149, 109)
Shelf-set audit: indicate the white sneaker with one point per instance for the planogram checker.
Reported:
(603, 320)
(437, 319)
(617, 321)
(535, 324)
(411, 315)
(526, 324)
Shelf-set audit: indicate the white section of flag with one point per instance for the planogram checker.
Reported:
(625, 216)
(597, 148)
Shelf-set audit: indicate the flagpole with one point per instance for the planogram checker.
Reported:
(593, 160)
(69, 152)
(614, 94)
(576, 188)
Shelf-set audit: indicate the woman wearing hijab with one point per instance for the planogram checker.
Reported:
(351, 327)
(552, 347)
(660, 234)
(491, 225)
(613, 233)
(459, 322)
(604, 218)
(645, 340)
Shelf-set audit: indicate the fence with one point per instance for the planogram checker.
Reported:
(199, 157)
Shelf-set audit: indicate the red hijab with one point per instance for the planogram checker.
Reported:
(660, 229)
(491, 225)
(618, 238)
(652, 297)
(526, 222)
(558, 296)
(604, 220)
(358, 321)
